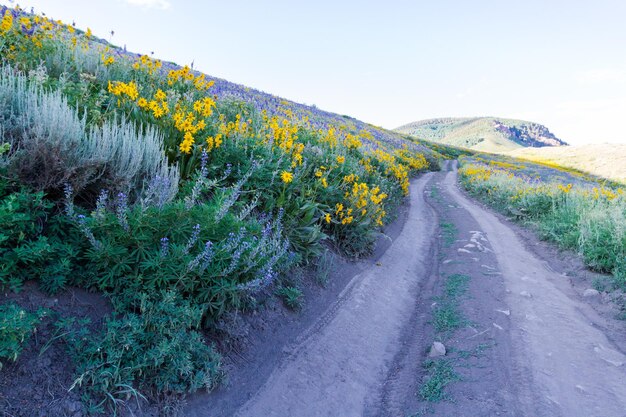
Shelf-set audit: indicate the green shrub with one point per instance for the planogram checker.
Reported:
(202, 250)
(16, 327)
(52, 146)
(33, 242)
(291, 296)
(157, 350)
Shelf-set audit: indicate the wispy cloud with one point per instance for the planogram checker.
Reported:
(157, 4)
(601, 75)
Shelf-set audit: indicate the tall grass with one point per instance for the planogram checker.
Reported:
(586, 218)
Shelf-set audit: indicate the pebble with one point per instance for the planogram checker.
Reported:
(526, 294)
(591, 293)
(437, 349)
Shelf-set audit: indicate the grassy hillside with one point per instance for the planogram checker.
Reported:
(577, 212)
(488, 134)
(178, 196)
(604, 160)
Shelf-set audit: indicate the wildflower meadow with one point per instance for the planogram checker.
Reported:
(178, 196)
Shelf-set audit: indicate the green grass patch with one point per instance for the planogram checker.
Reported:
(456, 285)
(16, 327)
(449, 233)
(292, 297)
(477, 352)
(440, 374)
(434, 193)
(447, 317)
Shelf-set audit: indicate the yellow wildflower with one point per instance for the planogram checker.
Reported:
(341, 159)
(327, 217)
(7, 22)
(185, 145)
(286, 176)
(160, 95)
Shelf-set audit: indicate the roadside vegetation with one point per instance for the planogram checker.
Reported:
(173, 196)
(584, 214)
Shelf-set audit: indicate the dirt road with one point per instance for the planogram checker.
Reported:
(519, 341)
(339, 365)
(564, 363)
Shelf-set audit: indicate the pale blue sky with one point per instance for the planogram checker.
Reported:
(557, 62)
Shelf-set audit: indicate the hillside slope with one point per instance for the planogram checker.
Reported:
(604, 160)
(489, 134)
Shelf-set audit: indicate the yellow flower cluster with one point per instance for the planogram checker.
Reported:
(237, 127)
(506, 165)
(107, 60)
(147, 64)
(476, 172)
(121, 89)
(213, 142)
(283, 134)
(352, 142)
(606, 193)
(565, 188)
(7, 22)
(158, 106)
(204, 106)
(189, 125)
(186, 75)
(361, 201)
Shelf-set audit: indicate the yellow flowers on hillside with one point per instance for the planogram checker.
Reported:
(147, 65)
(7, 22)
(344, 170)
(122, 89)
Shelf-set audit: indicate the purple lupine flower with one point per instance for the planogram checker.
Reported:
(84, 227)
(165, 247)
(234, 262)
(205, 257)
(101, 204)
(204, 171)
(265, 278)
(192, 239)
(121, 211)
(68, 191)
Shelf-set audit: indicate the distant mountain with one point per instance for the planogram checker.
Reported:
(491, 134)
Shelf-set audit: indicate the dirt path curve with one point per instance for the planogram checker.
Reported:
(338, 367)
(566, 366)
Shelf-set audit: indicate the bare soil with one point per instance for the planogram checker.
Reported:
(38, 383)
